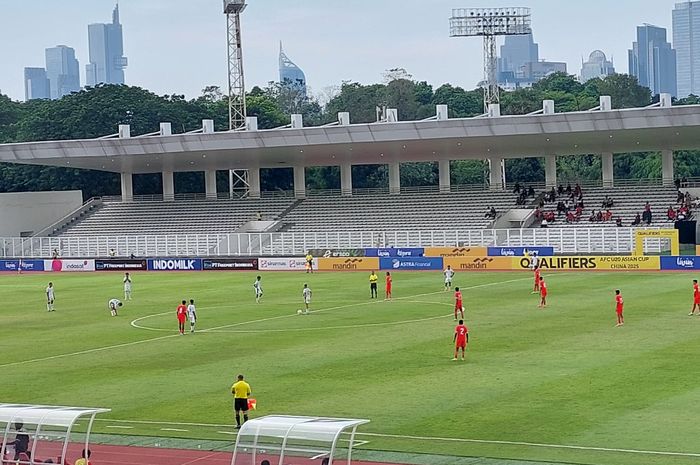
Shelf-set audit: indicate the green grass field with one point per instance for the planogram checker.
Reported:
(562, 376)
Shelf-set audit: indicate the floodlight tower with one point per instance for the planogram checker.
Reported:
(490, 23)
(236, 83)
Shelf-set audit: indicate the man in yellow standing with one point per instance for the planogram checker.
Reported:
(240, 391)
(373, 278)
(309, 263)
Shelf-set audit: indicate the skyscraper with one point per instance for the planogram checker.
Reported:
(36, 84)
(107, 60)
(62, 70)
(686, 41)
(515, 52)
(290, 74)
(653, 61)
(597, 66)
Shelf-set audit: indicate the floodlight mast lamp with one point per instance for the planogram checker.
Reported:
(236, 82)
(490, 23)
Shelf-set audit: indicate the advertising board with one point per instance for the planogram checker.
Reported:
(339, 253)
(284, 264)
(479, 263)
(69, 265)
(455, 252)
(121, 265)
(583, 263)
(348, 264)
(395, 252)
(410, 263)
(519, 251)
(680, 263)
(174, 264)
(230, 264)
(27, 265)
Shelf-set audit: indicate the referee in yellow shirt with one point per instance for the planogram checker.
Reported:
(240, 391)
(373, 278)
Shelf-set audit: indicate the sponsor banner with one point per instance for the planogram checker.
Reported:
(121, 265)
(174, 264)
(230, 264)
(340, 253)
(697, 250)
(66, 265)
(680, 263)
(284, 264)
(411, 263)
(395, 252)
(519, 251)
(348, 264)
(27, 265)
(479, 263)
(603, 262)
(455, 252)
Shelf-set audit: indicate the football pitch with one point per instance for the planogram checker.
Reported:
(560, 384)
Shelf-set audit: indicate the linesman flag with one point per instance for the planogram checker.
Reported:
(252, 404)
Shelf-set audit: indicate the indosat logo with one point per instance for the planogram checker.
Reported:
(349, 264)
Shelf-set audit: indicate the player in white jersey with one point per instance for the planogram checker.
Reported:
(192, 315)
(127, 286)
(306, 295)
(113, 305)
(449, 274)
(50, 297)
(257, 285)
(534, 260)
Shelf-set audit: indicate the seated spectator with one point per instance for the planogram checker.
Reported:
(580, 204)
(679, 196)
(570, 218)
(687, 197)
(560, 189)
(677, 183)
(561, 207)
(258, 216)
(647, 207)
(112, 253)
(538, 213)
(577, 190)
(684, 182)
(637, 220)
(568, 188)
(491, 213)
(592, 217)
(599, 216)
(618, 222)
(553, 194)
(516, 189)
(671, 214)
(531, 192)
(608, 202)
(84, 458)
(607, 216)
(681, 216)
(541, 203)
(568, 205)
(646, 216)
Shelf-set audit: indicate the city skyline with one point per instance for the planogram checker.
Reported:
(106, 50)
(331, 40)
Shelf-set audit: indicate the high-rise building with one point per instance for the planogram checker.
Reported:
(652, 60)
(515, 52)
(107, 60)
(686, 41)
(597, 66)
(62, 70)
(290, 74)
(36, 84)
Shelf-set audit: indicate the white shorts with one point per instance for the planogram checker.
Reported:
(307, 301)
(448, 280)
(193, 319)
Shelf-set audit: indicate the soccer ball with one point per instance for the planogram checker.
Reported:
(299, 312)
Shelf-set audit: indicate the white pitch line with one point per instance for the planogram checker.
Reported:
(232, 433)
(119, 427)
(175, 429)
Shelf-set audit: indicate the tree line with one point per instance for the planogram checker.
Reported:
(95, 112)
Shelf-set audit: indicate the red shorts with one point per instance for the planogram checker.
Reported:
(543, 295)
(696, 300)
(461, 344)
(181, 318)
(459, 306)
(619, 311)
(388, 289)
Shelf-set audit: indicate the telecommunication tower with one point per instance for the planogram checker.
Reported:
(490, 23)
(236, 82)
(238, 179)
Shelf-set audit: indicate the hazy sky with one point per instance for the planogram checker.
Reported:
(179, 46)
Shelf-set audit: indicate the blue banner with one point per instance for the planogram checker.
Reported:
(392, 252)
(174, 264)
(410, 263)
(27, 265)
(680, 263)
(520, 251)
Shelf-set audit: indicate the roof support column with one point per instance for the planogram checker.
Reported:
(210, 184)
(395, 178)
(168, 186)
(254, 183)
(127, 187)
(346, 179)
(608, 171)
(496, 175)
(550, 170)
(300, 182)
(667, 167)
(444, 175)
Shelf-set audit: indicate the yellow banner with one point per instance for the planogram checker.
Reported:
(455, 252)
(697, 250)
(479, 263)
(583, 263)
(349, 264)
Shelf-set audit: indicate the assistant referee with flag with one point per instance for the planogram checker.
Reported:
(240, 391)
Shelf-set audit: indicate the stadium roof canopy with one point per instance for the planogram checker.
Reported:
(586, 132)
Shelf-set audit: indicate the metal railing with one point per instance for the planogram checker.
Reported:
(565, 241)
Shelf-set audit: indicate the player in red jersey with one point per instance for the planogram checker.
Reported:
(536, 289)
(182, 316)
(461, 338)
(543, 293)
(619, 303)
(459, 305)
(388, 286)
(696, 298)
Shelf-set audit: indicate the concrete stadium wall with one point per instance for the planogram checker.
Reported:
(24, 213)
